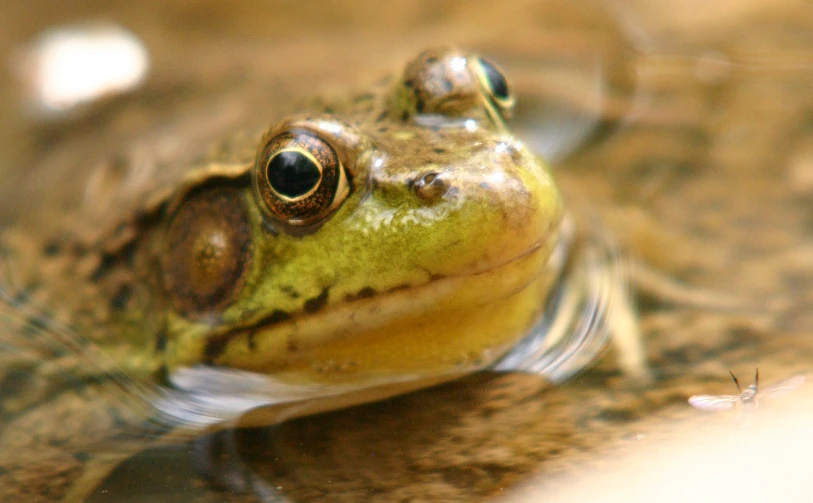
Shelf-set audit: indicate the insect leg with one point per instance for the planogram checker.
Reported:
(736, 381)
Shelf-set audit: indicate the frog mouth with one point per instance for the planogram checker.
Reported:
(368, 309)
(537, 352)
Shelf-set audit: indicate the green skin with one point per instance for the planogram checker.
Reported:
(368, 291)
(430, 260)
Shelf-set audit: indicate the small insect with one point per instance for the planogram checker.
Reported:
(748, 398)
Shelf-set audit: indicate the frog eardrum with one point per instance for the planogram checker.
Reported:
(299, 178)
(208, 250)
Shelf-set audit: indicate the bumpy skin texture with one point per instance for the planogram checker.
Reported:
(421, 249)
(375, 285)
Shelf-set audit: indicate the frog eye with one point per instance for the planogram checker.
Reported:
(446, 87)
(208, 250)
(299, 178)
(494, 84)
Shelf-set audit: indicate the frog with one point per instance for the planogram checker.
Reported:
(358, 248)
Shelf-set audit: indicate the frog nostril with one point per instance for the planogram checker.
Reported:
(430, 187)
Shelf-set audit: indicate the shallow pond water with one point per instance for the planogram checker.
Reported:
(686, 128)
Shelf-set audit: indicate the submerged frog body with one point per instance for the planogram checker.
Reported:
(383, 242)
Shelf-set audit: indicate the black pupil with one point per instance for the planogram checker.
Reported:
(499, 87)
(292, 174)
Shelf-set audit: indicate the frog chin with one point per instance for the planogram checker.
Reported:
(387, 354)
(449, 324)
(396, 343)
